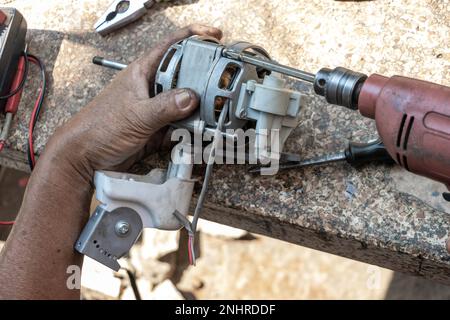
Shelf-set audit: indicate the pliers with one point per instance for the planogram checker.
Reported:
(120, 13)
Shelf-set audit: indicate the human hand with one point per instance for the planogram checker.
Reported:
(118, 127)
(123, 124)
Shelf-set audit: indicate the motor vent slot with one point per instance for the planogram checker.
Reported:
(404, 132)
(400, 131)
(405, 162)
(408, 132)
(167, 59)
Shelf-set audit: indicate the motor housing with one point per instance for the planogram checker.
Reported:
(254, 97)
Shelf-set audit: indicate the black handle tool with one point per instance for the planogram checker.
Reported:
(356, 155)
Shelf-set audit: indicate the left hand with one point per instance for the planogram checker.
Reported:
(122, 124)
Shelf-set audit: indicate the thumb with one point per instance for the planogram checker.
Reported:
(167, 107)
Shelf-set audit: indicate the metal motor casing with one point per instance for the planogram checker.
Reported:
(197, 63)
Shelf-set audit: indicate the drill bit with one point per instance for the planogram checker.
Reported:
(270, 65)
(334, 157)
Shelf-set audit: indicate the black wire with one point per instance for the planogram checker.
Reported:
(133, 284)
(44, 85)
(30, 160)
(22, 82)
(38, 111)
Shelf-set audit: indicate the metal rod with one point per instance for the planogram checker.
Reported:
(334, 157)
(340, 156)
(108, 63)
(270, 65)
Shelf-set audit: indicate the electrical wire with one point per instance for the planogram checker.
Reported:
(133, 283)
(35, 113)
(36, 110)
(22, 83)
(208, 172)
(190, 249)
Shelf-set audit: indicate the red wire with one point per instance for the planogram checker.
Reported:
(189, 250)
(30, 132)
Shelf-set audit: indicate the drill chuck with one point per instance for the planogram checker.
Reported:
(339, 86)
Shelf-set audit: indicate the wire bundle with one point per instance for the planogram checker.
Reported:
(208, 172)
(36, 109)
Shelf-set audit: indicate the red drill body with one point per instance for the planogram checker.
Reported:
(412, 116)
(413, 120)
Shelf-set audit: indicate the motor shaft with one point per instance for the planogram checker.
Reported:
(108, 63)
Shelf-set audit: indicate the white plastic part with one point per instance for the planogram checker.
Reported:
(275, 109)
(155, 196)
(132, 202)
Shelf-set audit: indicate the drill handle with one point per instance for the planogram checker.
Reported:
(359, 153)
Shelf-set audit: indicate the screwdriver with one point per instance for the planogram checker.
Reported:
(356, 155)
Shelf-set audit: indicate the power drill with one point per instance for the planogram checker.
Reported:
(412, 116)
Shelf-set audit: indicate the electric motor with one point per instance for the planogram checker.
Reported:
(250, 93)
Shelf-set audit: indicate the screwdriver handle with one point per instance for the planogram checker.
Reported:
(361, 153)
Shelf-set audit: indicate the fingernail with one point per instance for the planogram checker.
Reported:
(183, 99)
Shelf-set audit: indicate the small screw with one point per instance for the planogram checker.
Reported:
(122, 228)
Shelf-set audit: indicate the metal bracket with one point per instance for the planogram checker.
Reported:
(109, 235)
(131, 202)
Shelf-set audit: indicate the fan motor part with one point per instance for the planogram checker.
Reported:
(254, 96)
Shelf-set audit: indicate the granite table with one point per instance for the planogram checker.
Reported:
(378, 214)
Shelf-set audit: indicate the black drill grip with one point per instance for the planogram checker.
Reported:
(362, 153)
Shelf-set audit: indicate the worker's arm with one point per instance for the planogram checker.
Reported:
(117, 128)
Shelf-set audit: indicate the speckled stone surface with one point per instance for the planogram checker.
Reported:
(361, 214)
